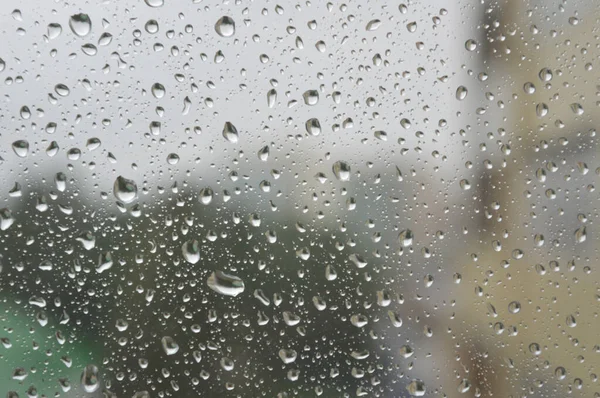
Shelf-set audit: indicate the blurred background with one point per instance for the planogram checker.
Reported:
(299, 199)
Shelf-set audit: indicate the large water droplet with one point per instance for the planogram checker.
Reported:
(311, 97)
(373, 25)
(169, 345)
(158, 90)
(287, 355)
(222, 283)
(155, 3)
(313, 127)
(54, 30)
(80, 24)
(225, 27)
(416, 388)
(125, 190)
(230, 132)
(21, 148)
(191, 251)
(341, 170)
(89, 378)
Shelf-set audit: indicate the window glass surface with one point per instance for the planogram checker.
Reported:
(207, 198)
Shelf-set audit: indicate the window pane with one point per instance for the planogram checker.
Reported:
(299, 198)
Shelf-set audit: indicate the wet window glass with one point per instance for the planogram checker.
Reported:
(235, 198)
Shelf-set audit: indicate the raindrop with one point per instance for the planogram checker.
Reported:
(373, 25)
(225, 27)
(230, 132)
(191, 251)
(21, 148)
(341, 170)
(416, 388)
(155, 3)
(170, 347)
(89, 378)
(80, 24)
(461, 93)
(225, 284)
(311, 97)
(125, 190)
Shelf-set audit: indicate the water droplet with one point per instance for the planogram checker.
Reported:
(54, 30)
(406, 237)
(581, 234)
(416, 388)
(172, 158)
(21, 148)
(529, 88)
(560, 373)
(62, 90)
(514, 307)
(87, 240)
(155, 3)
(471, 45)
(373, 25)
(313, 127)
(287, 355)
(206, 195)
(461, 93)
(271, 97)
(230, 132)
(191, 251)
(263, 153)
(151, 26)
(105, 262)
(125, 190)
(464, 386)
(225, 27)
(311, 97)
(170, 347)
(158, 90)
(341, 170)
(89, 49)
(89, 378)
(545, 75)
(228, 285)
(80, 24)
